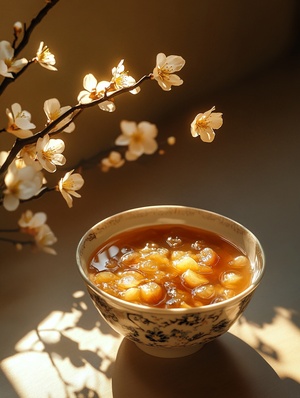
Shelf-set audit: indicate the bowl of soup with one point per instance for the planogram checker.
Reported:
(170, 278)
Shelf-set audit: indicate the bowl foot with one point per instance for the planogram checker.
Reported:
(163, 352)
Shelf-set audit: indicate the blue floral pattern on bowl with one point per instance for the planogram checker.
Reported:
(169, 330)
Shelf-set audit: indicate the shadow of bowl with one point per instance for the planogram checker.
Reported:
(226, 367)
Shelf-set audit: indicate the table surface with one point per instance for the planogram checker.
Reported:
(54, 344)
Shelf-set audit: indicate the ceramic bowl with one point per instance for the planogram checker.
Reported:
(172, 332)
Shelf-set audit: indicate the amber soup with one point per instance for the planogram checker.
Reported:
(170, 266)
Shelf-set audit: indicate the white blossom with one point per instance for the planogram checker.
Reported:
(30, 223)
(45, 238)
(21, 184)
(53, 111)
(121, 78)
(27, 157)
(68, 185)
(34, 224)
(114, 160)
(94, 91)
(49, 153)
(204, 124)
(45, 58)
(140, 138)
(8, 65)
(165, 69)
(19, 122)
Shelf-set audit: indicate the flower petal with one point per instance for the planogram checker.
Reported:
(6, 50)
(89, 82)
(148, 129)
(122, 140)
(10, 202)
(160, 59)
(51, 106)
(107, 106)
(128, 128)
(207, 135)
(150, 146)
(18, 65)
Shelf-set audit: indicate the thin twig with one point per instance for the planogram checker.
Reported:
(35, 21)
(9, 230)
(27, 33)
(17, 241)
(39, 195)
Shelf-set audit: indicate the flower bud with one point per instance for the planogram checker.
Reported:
(171, 140)
(18, 27)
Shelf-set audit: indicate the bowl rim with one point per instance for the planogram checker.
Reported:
(156, 310)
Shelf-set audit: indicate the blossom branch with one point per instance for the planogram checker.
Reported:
(21, 178)
(17, 241)
(87, 163)
(35, 21)
(39, 195)
(75, 110)
(27, 33)
(7, 80)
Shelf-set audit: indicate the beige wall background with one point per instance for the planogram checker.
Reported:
(243, 57)
(223, 43)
